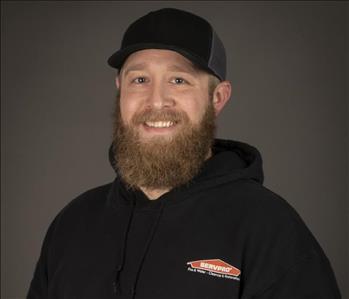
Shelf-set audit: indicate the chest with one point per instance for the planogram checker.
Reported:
(180, 254)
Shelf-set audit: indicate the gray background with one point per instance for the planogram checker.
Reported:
(288, 67)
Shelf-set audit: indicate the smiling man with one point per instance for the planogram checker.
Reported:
(165, 119)
(187, 215)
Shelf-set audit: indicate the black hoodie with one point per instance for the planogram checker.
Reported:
(221, 236)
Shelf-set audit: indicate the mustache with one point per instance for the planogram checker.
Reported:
(159, 115)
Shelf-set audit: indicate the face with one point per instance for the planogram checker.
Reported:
(158, 88)
(164, 119)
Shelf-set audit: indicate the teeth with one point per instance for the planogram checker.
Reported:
(159, 124)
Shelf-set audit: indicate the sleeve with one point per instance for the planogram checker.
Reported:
(39, 284)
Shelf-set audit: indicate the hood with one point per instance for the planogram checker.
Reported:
(231, 160)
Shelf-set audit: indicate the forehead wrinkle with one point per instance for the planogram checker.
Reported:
(183, 69)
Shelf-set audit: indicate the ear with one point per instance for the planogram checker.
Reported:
(221, 96)
(117, 82)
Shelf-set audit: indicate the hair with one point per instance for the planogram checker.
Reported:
(213, 81)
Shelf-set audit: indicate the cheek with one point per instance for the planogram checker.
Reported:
(195, 107)
(130, 103)
(127, 109)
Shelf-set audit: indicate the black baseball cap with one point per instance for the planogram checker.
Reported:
(177, 30)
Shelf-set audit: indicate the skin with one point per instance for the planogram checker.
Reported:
(163, 79)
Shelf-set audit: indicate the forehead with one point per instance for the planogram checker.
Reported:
(166, 58)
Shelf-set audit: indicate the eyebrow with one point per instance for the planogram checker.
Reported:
(187, 69)
(174, 68)
(136, 67)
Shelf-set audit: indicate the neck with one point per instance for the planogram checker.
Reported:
(154, 194)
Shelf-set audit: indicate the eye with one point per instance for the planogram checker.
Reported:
(139, 80)
(178, 80)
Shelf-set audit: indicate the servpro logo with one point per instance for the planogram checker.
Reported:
(214, 267)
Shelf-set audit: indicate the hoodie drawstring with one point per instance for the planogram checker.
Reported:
(123, 249)
(147, 246)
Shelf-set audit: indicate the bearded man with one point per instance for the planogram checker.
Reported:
(187, 215)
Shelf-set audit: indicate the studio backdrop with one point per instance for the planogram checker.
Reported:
(287, 62)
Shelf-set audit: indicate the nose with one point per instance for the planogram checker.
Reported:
(159, 97)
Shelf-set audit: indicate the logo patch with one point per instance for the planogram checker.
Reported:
(214, 267)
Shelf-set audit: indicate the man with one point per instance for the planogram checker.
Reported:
(187, 215)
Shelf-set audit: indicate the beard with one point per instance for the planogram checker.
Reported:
(162, 162)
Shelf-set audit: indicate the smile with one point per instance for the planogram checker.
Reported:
(159, 124)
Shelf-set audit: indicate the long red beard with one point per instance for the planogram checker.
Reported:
(159, 162)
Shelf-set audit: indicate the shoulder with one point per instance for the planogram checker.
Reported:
(75, 213)
(256, 202)
(261, 202)
(93, 197)
(270, 213)
(276, 235)
(279, 247)
(85, 206)
(267, 220)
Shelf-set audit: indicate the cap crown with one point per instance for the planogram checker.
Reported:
(177, 30)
